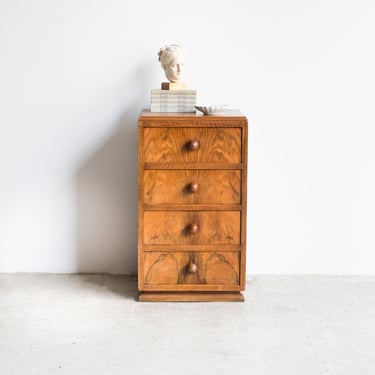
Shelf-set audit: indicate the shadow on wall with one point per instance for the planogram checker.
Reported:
(106, 194)
(106, 203)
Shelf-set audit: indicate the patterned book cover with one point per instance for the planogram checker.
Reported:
(176, 101)
(173, 100)
(172, 108)
(158, 92)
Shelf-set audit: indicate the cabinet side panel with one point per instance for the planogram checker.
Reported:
(140, 205)
(244, 203)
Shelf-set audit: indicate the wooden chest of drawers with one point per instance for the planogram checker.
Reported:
(192, 173)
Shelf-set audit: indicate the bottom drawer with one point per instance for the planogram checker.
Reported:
(194, 268)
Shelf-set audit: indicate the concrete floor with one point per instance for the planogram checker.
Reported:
(91, 324)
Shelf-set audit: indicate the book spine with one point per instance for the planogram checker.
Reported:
(174, 98)
(171, 108)
(173, 92)
(174, 102)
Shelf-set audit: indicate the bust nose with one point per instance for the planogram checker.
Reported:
(179, 68)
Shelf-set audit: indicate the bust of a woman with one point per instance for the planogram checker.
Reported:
(172, 60)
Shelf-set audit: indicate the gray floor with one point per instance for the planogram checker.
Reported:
(91, 324)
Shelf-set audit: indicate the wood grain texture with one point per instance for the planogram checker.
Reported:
(174, 186)
(172, 227)
(244, 205)
(174, 265)
(179, 247)
(188, 165)
(157, 119)
(140, 204)
(190, 207)
(171, 145)
(190, 297)
(172, 268)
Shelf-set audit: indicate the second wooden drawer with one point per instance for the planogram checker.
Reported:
(192, 186)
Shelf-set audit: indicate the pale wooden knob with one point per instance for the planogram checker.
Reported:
(193, 228)
(193, 187)
(193, 145)
(191, 267)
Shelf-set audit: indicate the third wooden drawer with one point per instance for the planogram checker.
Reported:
(192, 227)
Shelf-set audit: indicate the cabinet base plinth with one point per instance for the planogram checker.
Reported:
(190, 297)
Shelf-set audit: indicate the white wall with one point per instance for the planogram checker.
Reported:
(74, 75)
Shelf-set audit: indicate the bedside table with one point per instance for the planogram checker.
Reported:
(192, 179)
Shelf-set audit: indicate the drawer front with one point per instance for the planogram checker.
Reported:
(192, 227)
(195, 268)
(194, 145)
(192, 187)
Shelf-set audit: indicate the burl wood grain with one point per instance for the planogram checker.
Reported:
(192, 183)
(174, 227)
(191, 297)
(172, 268)
(167, 145)
(192, 186)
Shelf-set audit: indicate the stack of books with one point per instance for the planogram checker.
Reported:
(173, 100)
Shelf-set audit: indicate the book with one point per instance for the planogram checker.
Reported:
(173, 100)
(166, 107)
(172, 92)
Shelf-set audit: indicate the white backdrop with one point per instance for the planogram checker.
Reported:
(74, 75)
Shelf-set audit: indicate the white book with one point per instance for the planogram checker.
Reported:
(174, 101)
(159, 92)
(172, 108)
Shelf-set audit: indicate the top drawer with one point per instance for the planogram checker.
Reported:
(193, 145)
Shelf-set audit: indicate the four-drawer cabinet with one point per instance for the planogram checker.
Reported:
(192, 173)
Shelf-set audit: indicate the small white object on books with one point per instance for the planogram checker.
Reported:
(217, 110)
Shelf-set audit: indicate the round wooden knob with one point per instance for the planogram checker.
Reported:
(191, 267)
(193, 228)
(193, 187)
(193, 145)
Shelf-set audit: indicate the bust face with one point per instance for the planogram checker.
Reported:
(175, 69)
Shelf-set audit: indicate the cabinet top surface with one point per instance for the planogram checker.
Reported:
(146, 114)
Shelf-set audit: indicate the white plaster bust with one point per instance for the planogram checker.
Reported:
(172, 59)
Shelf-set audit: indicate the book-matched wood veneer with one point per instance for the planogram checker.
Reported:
(192, 173)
